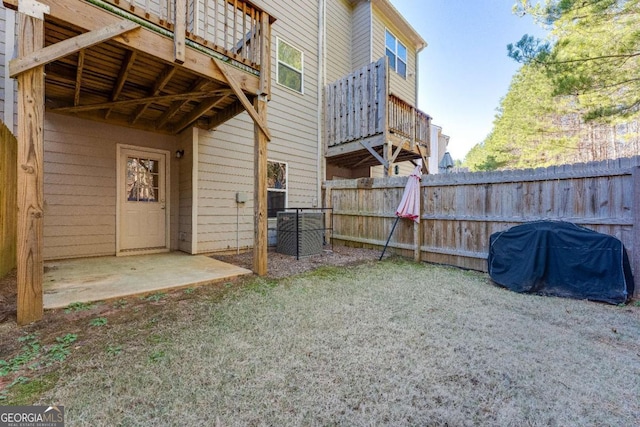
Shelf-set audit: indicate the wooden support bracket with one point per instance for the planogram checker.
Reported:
(375, 154)
(67, 47)
(237, 90)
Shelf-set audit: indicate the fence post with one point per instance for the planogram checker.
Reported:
(8, 195)
(635, 256)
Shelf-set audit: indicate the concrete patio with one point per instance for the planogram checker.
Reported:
(103, 278)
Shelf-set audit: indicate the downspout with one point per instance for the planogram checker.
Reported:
(322, 52)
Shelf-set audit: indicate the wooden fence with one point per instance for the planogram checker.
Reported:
(8, 185)
(460, 211)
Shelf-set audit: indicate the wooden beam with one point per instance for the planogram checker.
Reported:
(199, 111)
(375, 154)
(30, 264)
(128, 62)
(257, 119)
(394, 156)
(159, 84)
(10, 4)
(180, 30)
(151, 99)
(225, 115)
(67, 47)
(260, 266)
(76, 96)
(178, 104)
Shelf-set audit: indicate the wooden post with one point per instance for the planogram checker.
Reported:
(30, 174)
(635, 256)
(417, 227)
(260, 241)
(260, 192)
(179, 31)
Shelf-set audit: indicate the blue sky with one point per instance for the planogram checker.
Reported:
(465, 70)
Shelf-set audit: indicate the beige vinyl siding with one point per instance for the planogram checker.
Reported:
(225, 167)
(225, 163)
(361, 35)
(338, 36)
(404, 169)
(399, 86)
(80, 184)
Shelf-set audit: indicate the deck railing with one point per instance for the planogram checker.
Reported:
(233, 28)
(407, 121)
(359, 105)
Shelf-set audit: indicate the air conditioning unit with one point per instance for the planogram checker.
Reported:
(300, 233)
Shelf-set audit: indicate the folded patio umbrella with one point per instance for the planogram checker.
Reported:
(409, 206)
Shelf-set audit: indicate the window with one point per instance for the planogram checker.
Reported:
(142, 180)
(289, 71)
(397, 54)
(276, 188)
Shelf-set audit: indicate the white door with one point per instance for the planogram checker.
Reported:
(142, 196)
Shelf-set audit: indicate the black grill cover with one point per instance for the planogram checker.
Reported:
(561, 259)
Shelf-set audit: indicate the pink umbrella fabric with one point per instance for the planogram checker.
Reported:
(409, 206)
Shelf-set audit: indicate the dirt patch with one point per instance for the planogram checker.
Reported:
(8, 297)
(280, 265)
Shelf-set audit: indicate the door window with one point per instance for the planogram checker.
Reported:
(142, 180)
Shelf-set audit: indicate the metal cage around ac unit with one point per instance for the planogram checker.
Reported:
(300, 233)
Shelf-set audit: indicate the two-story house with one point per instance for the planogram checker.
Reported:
(154, 126)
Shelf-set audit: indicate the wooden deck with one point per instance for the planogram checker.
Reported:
(135, 71)
(366, 125)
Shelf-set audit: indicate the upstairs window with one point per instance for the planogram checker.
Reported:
(290, 70)
(276, 188)
(397, 54)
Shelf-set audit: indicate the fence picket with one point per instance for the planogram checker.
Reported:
(461, 211)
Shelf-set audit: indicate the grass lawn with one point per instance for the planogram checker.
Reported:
(385, 343)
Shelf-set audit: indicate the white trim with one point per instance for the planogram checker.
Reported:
(167, 198)
(286, 179)
(195, 138)
(301, 71)
(405, 61)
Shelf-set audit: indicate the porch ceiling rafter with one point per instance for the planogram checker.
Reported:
(198, 112)
(127, 63)
(76, 95)
(227, 114)
(67, 47)
(143, 101)
(160, 83)
(176, 105)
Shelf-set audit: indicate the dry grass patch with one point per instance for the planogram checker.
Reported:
(389, 343)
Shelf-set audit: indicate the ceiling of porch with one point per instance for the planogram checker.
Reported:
(110, 83)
